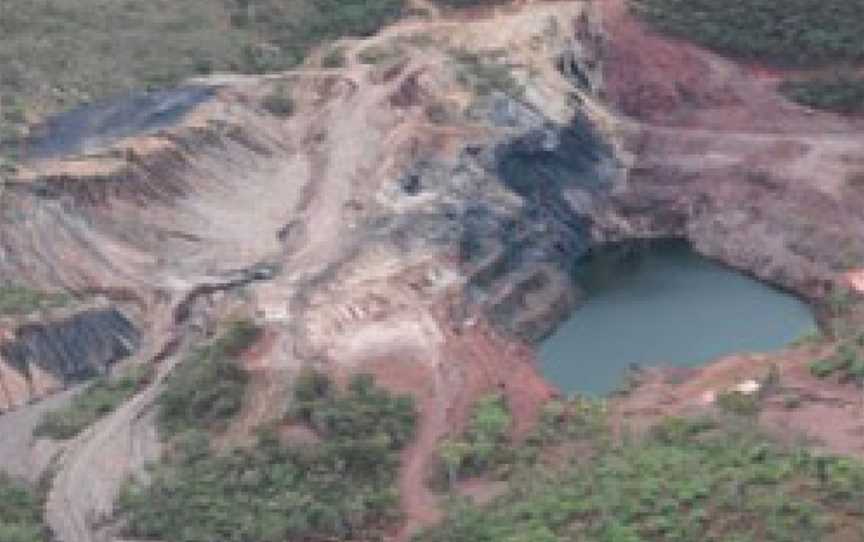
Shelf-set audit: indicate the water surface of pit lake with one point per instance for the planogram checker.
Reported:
(664, 305)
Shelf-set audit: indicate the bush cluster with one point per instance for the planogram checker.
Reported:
(841, 94)
(690, 479)
(791, 32)
(54, 55)
(20, 513)
(803, 33)
(100, 398)
(207, 389)
(16, 300)
(484, 444)
(341, 488)
(846, 361)
(484, 75)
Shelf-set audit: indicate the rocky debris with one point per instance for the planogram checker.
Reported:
(723, 160)
(413, 219)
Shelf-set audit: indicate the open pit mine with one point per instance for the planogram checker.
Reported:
(418, 218)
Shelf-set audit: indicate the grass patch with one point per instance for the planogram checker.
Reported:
(18, 300)
(690, 479)
(100, 398)
(840, 94)
(339, 489)
(484, 75)
(54, 55)
(381, 54)
(20, 513)
(334, 58)
(207, 389)
(788, 32)
(792, 33)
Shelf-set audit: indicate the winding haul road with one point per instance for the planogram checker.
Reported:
(93, 467)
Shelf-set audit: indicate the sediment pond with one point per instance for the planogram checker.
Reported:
(662, 304)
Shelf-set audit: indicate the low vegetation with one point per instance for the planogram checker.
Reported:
(847, 361)
(841, 94)
(711, 479)
(844, 314)
(54, 55)
(389, 53)
(485, 443)
(363, 411)
(20, 513)
(794, 33)
(791, 32)
(340, 487)
(334, 58)
(484, 74)
(100, 398)
(16, 300)
(207, 389)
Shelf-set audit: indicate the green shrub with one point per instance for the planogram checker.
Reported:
(841, 94)
(484, 75)
(18, 300)
(677, 430)
(100, 398)
(794, 32)
(334, 58)
(741, 404)
(20, 513)
(485, 443)
(54, 55)
(847, 361)
(690, 479)
(342, 488)
(363, 411)
(381, 54)
(207, 389)
(576, 419)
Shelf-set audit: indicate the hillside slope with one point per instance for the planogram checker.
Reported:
(414, 213)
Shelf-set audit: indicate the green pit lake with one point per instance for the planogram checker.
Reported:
(662, 304)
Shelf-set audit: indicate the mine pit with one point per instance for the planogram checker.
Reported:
(660, 304)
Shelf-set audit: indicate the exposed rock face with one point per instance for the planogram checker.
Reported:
(721, 158)
(94, 125)
(419, 217)
(43, 357)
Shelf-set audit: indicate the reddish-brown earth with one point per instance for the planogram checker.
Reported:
(474, 361)
(716, 134)
(342, 228)
(802, 408)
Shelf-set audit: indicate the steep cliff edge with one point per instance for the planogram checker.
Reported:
(414, 213)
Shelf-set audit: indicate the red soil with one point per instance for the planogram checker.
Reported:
(664, 81)
(825, 412)
(474, 361)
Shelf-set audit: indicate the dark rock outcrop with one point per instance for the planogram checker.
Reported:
(73, 349)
